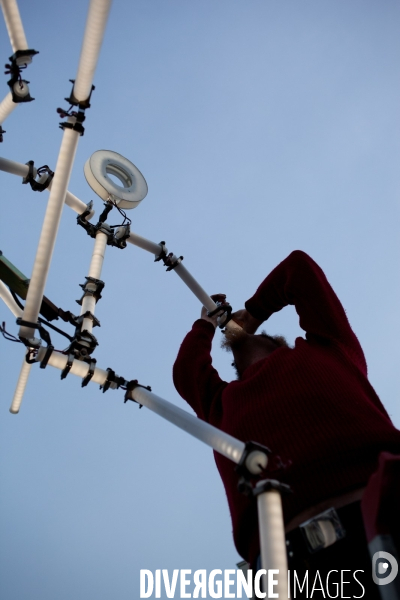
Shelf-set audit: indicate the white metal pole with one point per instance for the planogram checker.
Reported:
(6, 107)
(221, 442)
(272, 538)
(15, 168)
(14, 25)
(195, 287)
(96, 264)
(50, 229)
(182, 272)
(92, 40)
(145, 244)
(20, 388)
(78, 368)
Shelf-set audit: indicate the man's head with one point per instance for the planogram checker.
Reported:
(248, 348)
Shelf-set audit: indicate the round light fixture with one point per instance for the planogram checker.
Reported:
(104, 163)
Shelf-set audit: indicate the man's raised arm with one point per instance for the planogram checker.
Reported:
(299, 281)
(195, 378)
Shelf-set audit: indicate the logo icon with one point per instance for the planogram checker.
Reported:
(384, 568)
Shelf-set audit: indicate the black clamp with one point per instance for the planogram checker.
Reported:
(112, 380)
(98, 285)
(271, 484)
(223, 308)
(170, 263)
(163, 254)
(1, 133)
(46, 357)
(14, 69)
(83, 344)
(90, 373)
(87, 315)
(79, 115)
(74, 102)
(79, 119)
(67, 368)
(131, 385)
(35, 185)
(86, 213)
(30, 356)
(92, 230)
(44, 334)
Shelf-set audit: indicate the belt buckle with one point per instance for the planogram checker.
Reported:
(322, 531)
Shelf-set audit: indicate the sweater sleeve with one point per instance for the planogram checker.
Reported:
(195, 378)
(299, 281)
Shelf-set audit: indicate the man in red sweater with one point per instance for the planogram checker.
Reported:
(312, 405)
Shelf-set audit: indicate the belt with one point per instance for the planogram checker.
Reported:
(335, 502)
(323, 530)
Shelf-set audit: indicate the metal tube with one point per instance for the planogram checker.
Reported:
(141, 242)
(6, 107)
(195, 287)
(20, 389)
(78, 368)
(50, 229)
(96, 264)
(272, 538)
(221, 442)
(15, 168)
(92, 40)
(6, 296)
(14, 25)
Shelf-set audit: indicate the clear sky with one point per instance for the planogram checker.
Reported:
(261, 127)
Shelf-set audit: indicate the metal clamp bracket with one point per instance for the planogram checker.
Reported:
(96, 284)
(92, 230)
(68, 366)
(79, 119)
(44, 334)
(46, 357)
(19, 61)
(90, 373)
(163, 253)
(36, 185)
(74, 102)
(131, 385)
(172, 264)
(113, 381)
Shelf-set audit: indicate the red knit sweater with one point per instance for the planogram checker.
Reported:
(312, 405)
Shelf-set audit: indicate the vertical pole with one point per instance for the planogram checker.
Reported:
(96, 264)
(272, 536)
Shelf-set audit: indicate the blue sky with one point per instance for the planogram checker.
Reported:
(261, 127)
